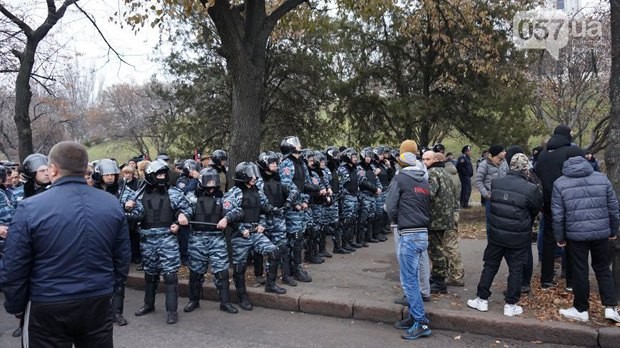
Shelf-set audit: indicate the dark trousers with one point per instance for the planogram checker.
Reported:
(465, 190)
(515, 258)
(528, 268)
(83, 323)
(134, 239)
(183, 239)
(599, 250)
(548, 251)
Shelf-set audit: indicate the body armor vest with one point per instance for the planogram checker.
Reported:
(299, 178)
(353, 184)
(208, 209)
(370, 175)
(274, 190)
(157, 210)
(384, 178)
(251, 205)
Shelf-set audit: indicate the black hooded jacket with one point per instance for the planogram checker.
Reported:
(549, 166)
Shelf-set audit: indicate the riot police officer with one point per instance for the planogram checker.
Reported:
(165, 208)
(207, 242)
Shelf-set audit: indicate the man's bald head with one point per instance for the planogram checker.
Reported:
(69, 159)
(428, 158)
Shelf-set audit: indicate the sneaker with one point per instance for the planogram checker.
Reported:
(510, 310)
(569, 289)
(402, 301)
(479, 304)
(525, 289)
(416, 331)
(404, 324)
(573, 313)
(549, 286)
(611, 313)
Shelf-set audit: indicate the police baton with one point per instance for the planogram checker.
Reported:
(203, 223)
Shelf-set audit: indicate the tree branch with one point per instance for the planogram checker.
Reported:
(23, 26)
(279, 12)
(92, 21)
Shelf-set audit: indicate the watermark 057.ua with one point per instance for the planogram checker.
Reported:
(551, 29)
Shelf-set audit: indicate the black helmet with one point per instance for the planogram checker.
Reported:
(265, 159)
(32, 163)
(218, 156)
(3, 174)
(290, 145)
(381, 150)
(209, 177)
(245, 171)
(163, 156)
(107, 167)
(157, 166)
(307, 155)
(318, 158)
(439, 148)
(332, 153)
(368, 152)
(190, 165)
(347, 155)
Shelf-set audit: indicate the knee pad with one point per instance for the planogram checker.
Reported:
(171, 278)
(276, 254)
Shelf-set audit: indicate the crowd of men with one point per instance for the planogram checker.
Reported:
(281, 209)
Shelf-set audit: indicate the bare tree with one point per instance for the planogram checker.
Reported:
(574, 90)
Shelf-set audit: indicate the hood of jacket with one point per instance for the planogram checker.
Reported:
(557, 141)
(577, 167)
(415, 173)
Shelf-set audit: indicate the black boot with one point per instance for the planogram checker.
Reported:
(301, 275)
(222, 285)
(337, 239)
(272, 274)
(353, 236)
(239, 279)
(377, 229)
(312, 249)
(360, 236)
(118, 299)
(370, 228)
(285, 261)
(438, 286)
(323, 243)
(172, 297)
(195, 291)
(150, 289)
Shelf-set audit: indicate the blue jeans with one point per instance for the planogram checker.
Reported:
(410, 249)
(424, 270)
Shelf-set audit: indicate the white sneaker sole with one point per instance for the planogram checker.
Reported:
(574, 318)
(477, 308)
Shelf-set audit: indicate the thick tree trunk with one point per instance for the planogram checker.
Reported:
(247, 98)
(612, 153)
(23, 95)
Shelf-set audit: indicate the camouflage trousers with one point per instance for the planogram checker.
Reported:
(257, 242)
(160, 251)
(276, 230)
(205, 248)
(331, 213)
(295, 221)
(349, 206)
(367, 208)
(436, 252)
(319, 215)
(455, 270)
(379, 202)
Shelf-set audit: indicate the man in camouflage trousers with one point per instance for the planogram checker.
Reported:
(246, 205)
(442, 218)
(207, 242)
(165, 208)
(349, 190)
(7, 209)
(294, 176)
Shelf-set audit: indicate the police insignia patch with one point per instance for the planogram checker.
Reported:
(227, 205)
(287, 171)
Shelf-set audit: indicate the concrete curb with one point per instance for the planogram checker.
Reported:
(489, 324)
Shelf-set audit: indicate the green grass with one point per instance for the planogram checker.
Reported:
(119, 150)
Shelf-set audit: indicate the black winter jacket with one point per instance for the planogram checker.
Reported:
(549, 166)
(515, 202)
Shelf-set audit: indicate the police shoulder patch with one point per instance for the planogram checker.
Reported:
(315, 181)
(227, 205)
(462, 160)
(181, 185)
(287, 171)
